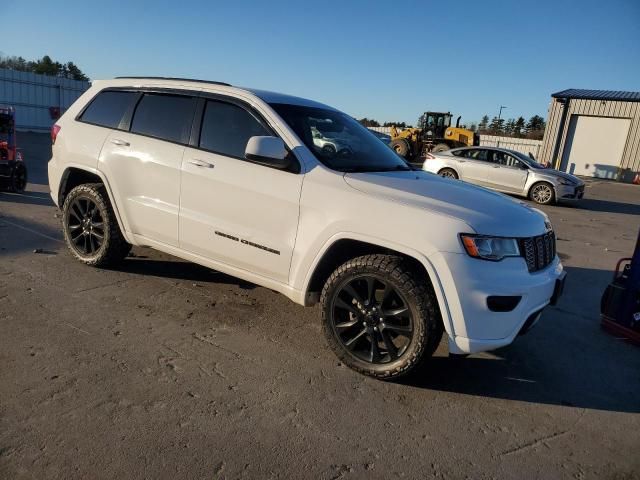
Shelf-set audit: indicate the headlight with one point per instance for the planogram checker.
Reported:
(566, 181)
(490, 248)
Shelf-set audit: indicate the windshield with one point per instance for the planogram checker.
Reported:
(528, 159)
(339, 141)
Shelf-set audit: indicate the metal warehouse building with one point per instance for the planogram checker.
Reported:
(38, 99)
(594, 133)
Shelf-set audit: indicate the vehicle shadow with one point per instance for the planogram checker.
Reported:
(606, 206)
(177, 270)
(566, 360)
(19, 235)
(30, 198)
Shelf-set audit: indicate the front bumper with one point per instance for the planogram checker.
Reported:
(467, 283)
(568, 192)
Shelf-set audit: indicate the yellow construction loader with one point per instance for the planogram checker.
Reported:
(433, 134)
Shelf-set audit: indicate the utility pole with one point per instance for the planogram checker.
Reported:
(500, 112)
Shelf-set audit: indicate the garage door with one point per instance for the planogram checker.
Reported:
(595, 145)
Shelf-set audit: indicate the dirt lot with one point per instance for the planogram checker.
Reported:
(164, 369)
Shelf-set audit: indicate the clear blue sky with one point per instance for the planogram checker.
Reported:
(385, 60)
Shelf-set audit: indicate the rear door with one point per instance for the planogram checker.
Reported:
(474, 166)
(143, 164)
(507, 173)
(232, 210)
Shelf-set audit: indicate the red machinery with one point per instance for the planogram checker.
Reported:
(620, 305)
(13, 173)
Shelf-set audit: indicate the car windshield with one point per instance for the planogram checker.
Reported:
(528, 159)
(339, 141)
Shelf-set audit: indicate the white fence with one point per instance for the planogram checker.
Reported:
(523, 145)
(37, 98)
(386, 130)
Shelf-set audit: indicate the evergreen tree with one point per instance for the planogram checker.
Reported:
(482, 126)
(496, 127)
(509, 127)
(44, 66)
(519, 127)
(535, 127)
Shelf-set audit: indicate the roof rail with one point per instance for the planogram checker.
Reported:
(176, 78)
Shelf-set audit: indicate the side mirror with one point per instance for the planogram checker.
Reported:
(269, 151)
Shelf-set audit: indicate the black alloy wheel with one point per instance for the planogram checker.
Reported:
(90, 227)
(380, 315)
(372, 319)
(85, 226)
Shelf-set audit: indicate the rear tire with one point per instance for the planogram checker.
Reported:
(90, 227)
(18, 180)
(448, 173)
(542, 193)
(441, 147)
(380, 316)
(401, 147)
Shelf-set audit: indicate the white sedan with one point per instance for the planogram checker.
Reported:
(506, 171)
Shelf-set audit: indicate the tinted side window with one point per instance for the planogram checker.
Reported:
(107, 108)
(226, 129)
(477, 155)
(167, 117)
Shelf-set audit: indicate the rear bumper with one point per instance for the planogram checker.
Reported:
(55, 175)
(467, 285)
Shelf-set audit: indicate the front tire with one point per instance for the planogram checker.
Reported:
(401, 147)
(448, 173)
(90, 227)
(542, 193)
(379, 316)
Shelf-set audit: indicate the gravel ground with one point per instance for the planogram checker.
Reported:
(165, 369)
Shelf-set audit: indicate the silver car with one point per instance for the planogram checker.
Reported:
(507, 171)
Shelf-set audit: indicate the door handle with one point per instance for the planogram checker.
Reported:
(201, 163)
(461, 161)
(117, 141)
(496, 166)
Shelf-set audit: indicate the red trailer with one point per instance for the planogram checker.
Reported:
(13, 172)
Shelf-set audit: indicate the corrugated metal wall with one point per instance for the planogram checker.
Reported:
(32, 95)
(630, 164)
(523, 145)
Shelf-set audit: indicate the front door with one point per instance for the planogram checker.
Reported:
(232, 210)
(507, 173)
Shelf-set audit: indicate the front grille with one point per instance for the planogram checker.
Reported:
(538, 251)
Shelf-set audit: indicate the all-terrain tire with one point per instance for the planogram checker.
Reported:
(114, 247)
(441, 147)
(401, 147)
(421, 300)
(18, 180)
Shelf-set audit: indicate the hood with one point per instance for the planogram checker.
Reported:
(486, 212)
(558, 173)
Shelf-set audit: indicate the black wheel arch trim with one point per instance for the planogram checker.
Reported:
(327, 250)
(103, 179)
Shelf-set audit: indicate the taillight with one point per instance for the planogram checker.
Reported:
(54, 133)
(428, 156)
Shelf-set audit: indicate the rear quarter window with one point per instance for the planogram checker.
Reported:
(108, 108)
(167, 117)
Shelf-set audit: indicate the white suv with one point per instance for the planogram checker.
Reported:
(232, 179)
